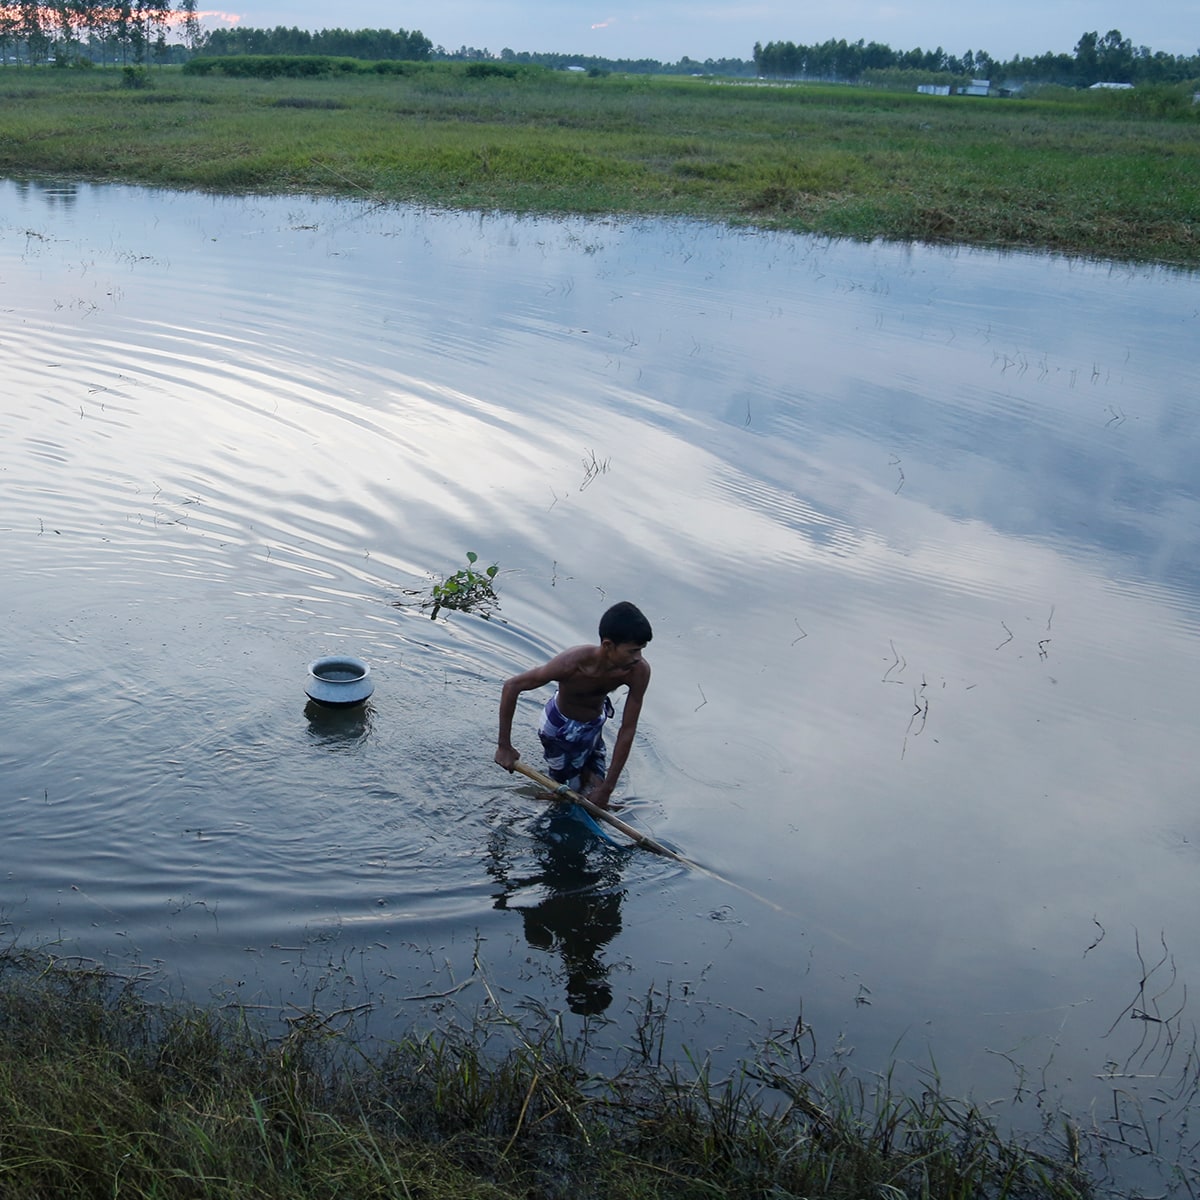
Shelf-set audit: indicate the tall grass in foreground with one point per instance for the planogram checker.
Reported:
(1105, 176)
(103, 1094)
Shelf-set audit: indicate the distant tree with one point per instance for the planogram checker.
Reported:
(1154, 68)
(1114, 56)
(464, 54)
(10, 28)
(1087, 60)
(192, 32)
(140, 35)
(878, 57)
(37, 40)
(985, 66)
(120, 22)
(728, 66)
(69, 17)
(781, 60)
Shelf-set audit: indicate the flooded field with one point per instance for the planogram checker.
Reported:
(918, 532)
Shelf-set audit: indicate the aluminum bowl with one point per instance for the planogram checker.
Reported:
(339, 681)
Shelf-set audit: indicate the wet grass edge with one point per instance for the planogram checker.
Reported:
(103, 1092)
(1079, 175)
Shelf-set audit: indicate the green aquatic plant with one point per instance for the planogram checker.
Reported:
(467, 590)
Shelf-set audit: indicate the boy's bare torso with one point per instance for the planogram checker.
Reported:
(587, 674)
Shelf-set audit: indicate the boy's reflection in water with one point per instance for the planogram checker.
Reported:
(570, 902)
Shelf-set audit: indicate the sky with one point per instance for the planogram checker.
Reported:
(668, 30)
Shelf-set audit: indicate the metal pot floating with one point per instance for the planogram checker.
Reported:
(339, 681)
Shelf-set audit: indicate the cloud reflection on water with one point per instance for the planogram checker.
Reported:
(916, 529)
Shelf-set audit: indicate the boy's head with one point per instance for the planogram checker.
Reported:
(624, 625)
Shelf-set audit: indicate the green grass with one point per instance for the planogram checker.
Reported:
(1113, 175)
(103, 1094)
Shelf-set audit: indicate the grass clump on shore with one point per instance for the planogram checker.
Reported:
(104, 1094)
(1103, 175)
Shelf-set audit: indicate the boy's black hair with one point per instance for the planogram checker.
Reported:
(625, 624)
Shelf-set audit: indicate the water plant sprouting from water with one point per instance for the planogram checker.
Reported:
(467, 590)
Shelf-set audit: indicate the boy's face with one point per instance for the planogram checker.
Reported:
(623, 656)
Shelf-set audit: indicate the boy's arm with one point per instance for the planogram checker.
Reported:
(600, 793)
(506, 753)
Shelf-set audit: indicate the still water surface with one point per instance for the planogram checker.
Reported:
(918, 531)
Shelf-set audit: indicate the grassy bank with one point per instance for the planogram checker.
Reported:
(1112, 175)
(102, 1094)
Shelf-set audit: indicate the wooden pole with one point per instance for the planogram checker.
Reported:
(647, 843)
(601, 814)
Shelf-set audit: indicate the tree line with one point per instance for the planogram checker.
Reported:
(80, 32)
(68, 32)
(380, 45)
(626, 66)
(36, 31)
(1111, 58)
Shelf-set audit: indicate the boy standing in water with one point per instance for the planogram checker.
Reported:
(572, 725)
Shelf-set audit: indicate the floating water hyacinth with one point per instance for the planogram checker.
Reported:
(467, 590)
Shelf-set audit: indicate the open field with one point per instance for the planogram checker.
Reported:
(1113, 175)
